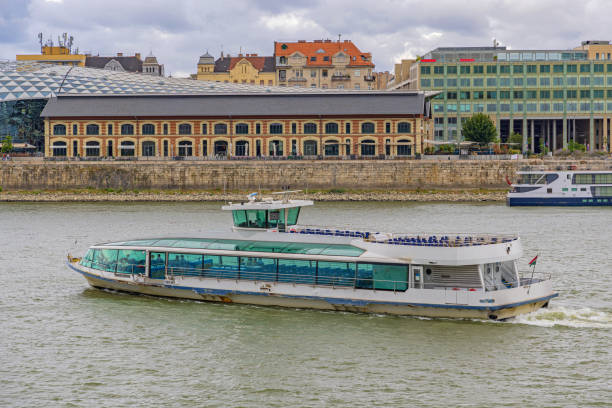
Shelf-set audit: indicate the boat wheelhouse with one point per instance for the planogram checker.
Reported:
(561, 188)
(269, 259)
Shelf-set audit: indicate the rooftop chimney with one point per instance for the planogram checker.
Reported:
(120, 54)
(137, 55)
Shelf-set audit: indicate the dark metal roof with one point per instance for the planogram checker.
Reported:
(130, 64)
(223, 105)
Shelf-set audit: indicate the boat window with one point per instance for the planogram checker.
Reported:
(590, 178)
(157, 265)
(86, 260)
(336, 273)
(256, 218)
(276, 218)
(105, 260)
(602, 191)
(292, 215)
(532, 178)
(364, 276)
(240, 218)
(221, 266)
(392, 277)
(551, 177)
(131, 261)
(258, 268)
(298, 271)
(184, 264)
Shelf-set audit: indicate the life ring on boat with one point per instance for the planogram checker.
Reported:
(506, 283)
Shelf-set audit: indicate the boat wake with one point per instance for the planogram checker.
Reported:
(567, 317)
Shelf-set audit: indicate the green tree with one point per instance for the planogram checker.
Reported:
(480, 129)
(7, 144)
(516, 141)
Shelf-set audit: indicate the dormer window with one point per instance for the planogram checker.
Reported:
(284, 46)
(320, 51)
(326, 58)
(313, 58)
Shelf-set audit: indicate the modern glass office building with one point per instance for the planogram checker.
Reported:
(551, 97)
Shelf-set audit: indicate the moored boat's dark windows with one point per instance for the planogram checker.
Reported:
(263, 269)
(336, 273)
(88, 258)
(391, 277)
(131, 261)
(157, 265)
(257, 218)
(364, 276)
(298, 271)
(240, 218)
(276, 218)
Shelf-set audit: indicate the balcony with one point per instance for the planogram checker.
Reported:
(369, 78)
(343, 77)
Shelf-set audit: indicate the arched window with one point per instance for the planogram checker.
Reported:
(276, 128)
(331, 128)
(347, 146)
(184, 129)
(404, 147)
(148, 129)
(127, 129)
(310, 148)
(242, 129)
(403, 127)
(220, 148)
(92, 130)
(59, 149)
(148, 148)
(242, 148)
(367, 127)
(368, 147)
(310, 128)
(276, 148)
(92, 149)
(127, 147)
(59, 130)
(220, 129)
(185, 148)
(332, 148)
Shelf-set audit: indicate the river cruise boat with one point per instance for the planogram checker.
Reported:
(269, 259)
(561, 188)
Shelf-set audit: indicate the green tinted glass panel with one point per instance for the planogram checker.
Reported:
(263, 269)
(292, 215)
(391, 277)
(157, 265)
(336, 273)
(105, 260)
(240, 218)
(131, 261)
(225, 267)
(257, 218)
(184, 264)
(298, 271)
(365, 273)
(276, 218)
(88, 258)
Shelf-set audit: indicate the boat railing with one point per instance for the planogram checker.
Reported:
(435, 240)
(524, 281)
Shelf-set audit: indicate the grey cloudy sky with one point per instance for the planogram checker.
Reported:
(179, 31)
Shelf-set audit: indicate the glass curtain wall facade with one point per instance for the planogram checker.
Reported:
(549, 97)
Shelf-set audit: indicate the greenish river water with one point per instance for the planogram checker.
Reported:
(65, 344)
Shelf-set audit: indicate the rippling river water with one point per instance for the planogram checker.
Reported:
(63, 343)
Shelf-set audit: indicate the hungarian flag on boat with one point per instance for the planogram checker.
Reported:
(533, 261)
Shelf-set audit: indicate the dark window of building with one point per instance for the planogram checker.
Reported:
(75, 129)
(59, 130)
(558, 68)
(204, 148)
(165, 128)
(517, 69)
(293, 147)
(326, 58)
(609, 67)
(570, 93)
(109, 149)
(425, 70)
(127, 129)
(220, 129)
(331, 128)
(148, 129)
(368, 147)
(276, 129)
(545, 94)
(585, 93)
(148, 149)
(598, 68)
(347, 147)
(504, 69)
(109, 129)
(491, 69)
(92, 130)
(504, 94)
(165, 148)
(491, 94)
(310, 148)
(464, 95)
(75, 148)
(242, 129)
(127, 148)
(242, 148)
(258, 128)
(276, 148)
(403, 127)
(92, 149)
(518, 94)
(451, 95)
(347, 128)
(478, 95)
(585, 67)
(313, 58)
(438, 69)
(532, 69)
(59, 149)
(478, 69)
(294, 128)
(532, 94)
(185, 148)
(544, 69)
(324, 73)
(310, 128)
(367, 127)
(184, 129)
(570, 68)
(558, 94)
(387, 127)
(204, 129)
(598, 93)
(465, 69)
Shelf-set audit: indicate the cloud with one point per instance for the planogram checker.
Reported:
(178, 32)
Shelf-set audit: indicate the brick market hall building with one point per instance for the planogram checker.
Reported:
(238, 125)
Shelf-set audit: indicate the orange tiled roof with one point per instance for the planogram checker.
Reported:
(322, 48)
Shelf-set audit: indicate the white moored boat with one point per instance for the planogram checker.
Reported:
(268, 259)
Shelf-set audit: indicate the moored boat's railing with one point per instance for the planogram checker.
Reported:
(442, 240)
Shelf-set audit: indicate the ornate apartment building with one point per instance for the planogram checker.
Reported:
(323, 64)
(242, 69)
